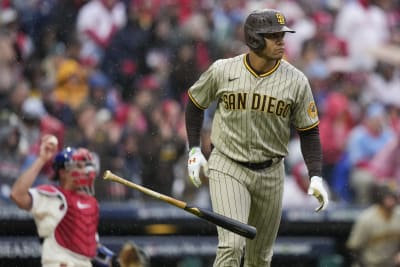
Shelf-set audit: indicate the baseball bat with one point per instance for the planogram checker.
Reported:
(230, 224)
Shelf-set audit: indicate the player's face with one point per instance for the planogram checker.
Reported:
(79, 176)
(72, 174)
(274, 46)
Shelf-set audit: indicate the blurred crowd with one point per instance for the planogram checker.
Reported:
(112, 75)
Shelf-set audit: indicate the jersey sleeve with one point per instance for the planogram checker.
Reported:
(46, 211)
(203, 91)
(305, 114)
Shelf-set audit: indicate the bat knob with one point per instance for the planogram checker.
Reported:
(106, 175)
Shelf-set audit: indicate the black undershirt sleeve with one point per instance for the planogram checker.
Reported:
(194, 121)
(312, 151)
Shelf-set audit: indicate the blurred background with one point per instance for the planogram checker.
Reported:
(112, 75)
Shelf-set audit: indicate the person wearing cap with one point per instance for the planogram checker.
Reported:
(259, 96)
(35, 122)
(374, 237)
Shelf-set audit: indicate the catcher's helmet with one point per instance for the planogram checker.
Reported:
(260, 22)
(69, 158)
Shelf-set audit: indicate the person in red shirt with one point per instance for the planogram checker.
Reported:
(335, 126)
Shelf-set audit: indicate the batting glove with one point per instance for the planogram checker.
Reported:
(196, 161)
(317, 189)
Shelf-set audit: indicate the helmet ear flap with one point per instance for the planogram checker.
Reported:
(254, 40)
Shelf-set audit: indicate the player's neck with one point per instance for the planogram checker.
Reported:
(260, 64)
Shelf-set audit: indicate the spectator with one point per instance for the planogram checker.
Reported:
(125, 58)
(33, 123)
(383, 84)
(22, 42)
(97, 23)
(12, 157)
(373, 240)
(101, 92)
(126, 161)
(365, 141)
(34, 17)
(165, 147)
(184, 72)
(335, 126)
(64, 17)
(227, 14)
(92, 130)
(56, 108)
(36, 122)
(9, 70)
(56, 56)
(363, 26)
(71, 83)
(385, 165)
(19, 92)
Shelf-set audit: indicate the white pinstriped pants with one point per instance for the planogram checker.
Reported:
(253, 197)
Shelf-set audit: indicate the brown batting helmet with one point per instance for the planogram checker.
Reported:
(260, 22)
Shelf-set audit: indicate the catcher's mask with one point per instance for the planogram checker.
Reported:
(261, 22)
(81, 163)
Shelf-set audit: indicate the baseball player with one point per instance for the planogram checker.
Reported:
(66, 215)
(374, 238)
(259, 96)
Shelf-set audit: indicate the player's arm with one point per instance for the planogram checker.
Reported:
(194, 117)
(194, 120)
(311, 150)
(201, 94)
(20, 190)
(312, 154)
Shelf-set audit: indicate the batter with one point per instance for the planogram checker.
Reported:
(259, 96)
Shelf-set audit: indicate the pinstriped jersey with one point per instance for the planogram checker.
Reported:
(254, 111)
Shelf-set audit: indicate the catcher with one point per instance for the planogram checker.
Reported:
(66, 215)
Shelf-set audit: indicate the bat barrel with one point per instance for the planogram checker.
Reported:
(230, 224)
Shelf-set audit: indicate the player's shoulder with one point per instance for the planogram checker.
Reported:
(286, 66)
(222, 62)
(47, 189)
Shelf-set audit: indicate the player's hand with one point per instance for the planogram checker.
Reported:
(48, 147)
(317, 189)
(196, 161)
